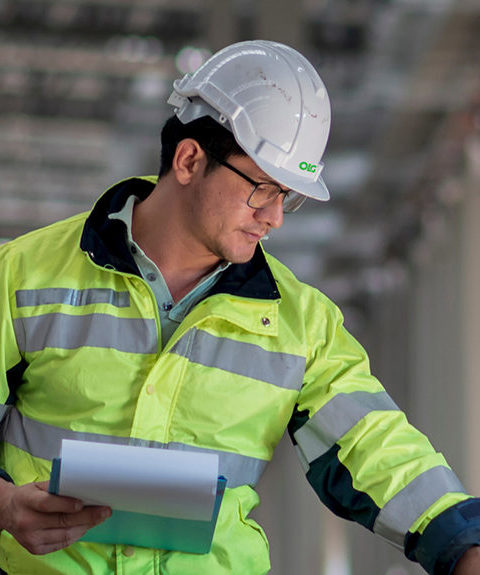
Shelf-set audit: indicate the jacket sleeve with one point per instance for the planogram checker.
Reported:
(367, 463)
(12, 365)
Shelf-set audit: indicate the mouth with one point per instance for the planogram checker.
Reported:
(254, 236)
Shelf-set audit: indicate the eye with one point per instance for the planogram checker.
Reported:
(268, 190)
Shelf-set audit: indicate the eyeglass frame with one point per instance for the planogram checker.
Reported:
(295, 195)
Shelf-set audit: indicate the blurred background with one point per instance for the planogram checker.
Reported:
(83, 85)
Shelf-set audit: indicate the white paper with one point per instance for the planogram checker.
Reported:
(166, 482)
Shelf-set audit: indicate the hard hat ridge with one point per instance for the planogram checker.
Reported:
(275, 103)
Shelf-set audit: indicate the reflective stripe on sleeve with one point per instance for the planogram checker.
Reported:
(332, 421)
(65, 331)
(74, 297)
(44, 441)
(396, 517)
(280, 369)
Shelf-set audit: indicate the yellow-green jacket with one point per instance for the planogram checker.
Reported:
(81, 358)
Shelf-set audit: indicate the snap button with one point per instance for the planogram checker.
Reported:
(150, 389)
(128, 551)
(151, 277)
(265, 321)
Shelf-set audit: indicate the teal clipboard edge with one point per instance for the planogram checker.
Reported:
(54, 484)
(152, 531)
(158, 532)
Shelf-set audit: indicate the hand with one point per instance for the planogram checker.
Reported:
(42, 522)
(469, 563)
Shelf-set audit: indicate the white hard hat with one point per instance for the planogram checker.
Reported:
(273, 101)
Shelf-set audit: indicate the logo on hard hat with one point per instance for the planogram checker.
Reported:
(306, 167)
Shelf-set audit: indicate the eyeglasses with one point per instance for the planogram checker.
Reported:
(264, 194)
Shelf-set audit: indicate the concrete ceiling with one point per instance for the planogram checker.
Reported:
(83, 85)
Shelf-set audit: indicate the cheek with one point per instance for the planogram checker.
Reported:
(227, 212)
(224, 206)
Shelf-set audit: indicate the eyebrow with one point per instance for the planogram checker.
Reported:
(266, 179)
(270, 181)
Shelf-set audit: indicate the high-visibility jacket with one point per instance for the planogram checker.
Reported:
(81, 358)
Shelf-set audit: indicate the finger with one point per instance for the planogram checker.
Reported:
(46, 532)
(45, 502)
(49, 540)
(42, 485)
(88, 517)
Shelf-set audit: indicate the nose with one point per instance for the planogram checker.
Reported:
(271, 215)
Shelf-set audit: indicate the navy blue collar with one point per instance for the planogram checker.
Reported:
(104, 240)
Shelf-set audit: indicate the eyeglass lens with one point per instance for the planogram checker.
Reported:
(265, 194)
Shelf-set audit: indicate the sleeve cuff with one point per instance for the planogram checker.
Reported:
(446, 538)
(4, 475)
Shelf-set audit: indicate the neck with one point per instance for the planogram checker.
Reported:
(161, 231)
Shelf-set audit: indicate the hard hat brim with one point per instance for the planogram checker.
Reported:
(315, 189)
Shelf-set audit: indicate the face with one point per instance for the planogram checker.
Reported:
(220, 219)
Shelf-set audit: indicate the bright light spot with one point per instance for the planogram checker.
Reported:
(190, 58)
(335, 543)
(150, 86)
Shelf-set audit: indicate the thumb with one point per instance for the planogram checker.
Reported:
(42, 485)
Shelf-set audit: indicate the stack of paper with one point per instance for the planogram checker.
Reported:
(160, 498)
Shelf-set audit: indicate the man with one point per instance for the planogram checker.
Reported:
(158, 319)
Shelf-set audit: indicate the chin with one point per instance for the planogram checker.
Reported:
(236, 257)
(240, 260)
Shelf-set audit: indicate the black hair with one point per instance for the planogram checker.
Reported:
(211, 136)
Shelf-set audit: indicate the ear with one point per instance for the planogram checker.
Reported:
(188, 160)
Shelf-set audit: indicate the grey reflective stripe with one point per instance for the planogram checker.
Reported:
(281, 369)
(44, 441)
(303, 462)
(335, 418)
(95, 330)
(396, 517)
(73, 297)
(238, 469)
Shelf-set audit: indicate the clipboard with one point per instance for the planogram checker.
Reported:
(152, 530)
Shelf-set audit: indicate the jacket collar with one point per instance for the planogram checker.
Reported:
(104, 240)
